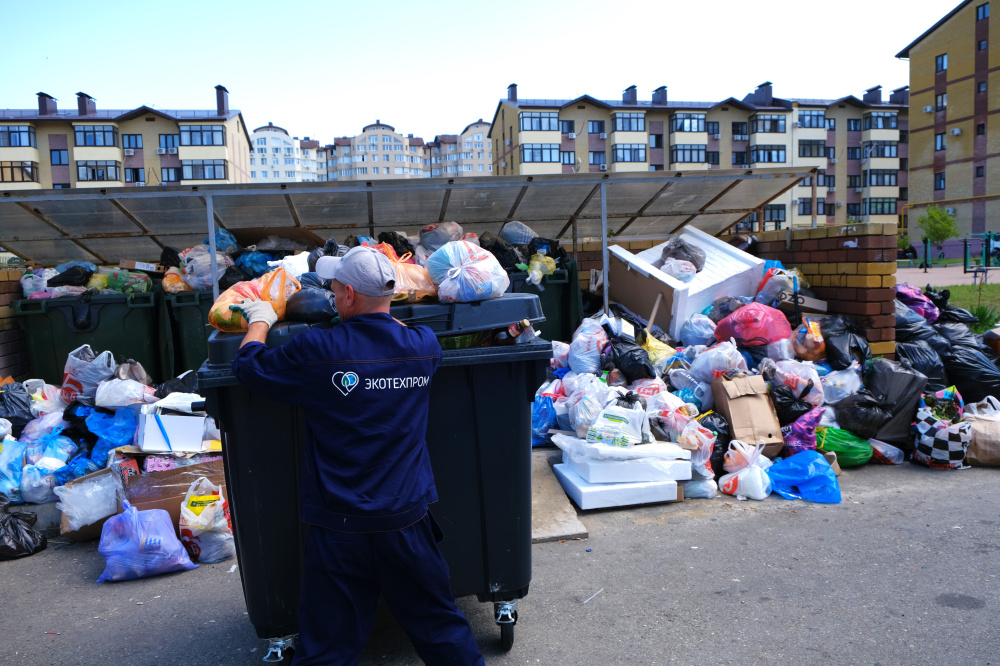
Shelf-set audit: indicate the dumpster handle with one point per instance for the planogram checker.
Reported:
(277, 646)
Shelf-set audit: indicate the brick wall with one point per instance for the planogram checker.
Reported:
(13, 356)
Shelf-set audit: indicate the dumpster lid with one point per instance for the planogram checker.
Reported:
(104, 225)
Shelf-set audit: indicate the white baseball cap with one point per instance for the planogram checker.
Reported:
(366, 269)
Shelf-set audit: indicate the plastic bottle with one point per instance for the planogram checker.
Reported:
(509, 335)
(681, 379)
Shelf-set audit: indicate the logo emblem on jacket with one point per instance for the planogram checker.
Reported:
(345, 381)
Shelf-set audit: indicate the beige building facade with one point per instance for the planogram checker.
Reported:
(90, 147)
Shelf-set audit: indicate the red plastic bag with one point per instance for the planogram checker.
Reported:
(753, 325)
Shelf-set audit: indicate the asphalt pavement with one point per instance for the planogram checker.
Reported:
(904, 571)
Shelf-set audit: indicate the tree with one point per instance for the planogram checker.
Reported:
(903, 242)
(938, 226)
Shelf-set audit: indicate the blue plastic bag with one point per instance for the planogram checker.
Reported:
(225, 242)
(139, 544)
(62, 268)
(55, 445)
(254, 263)
(113, 431)
(543, 418)
(806, 475)
(77, 467)
(11, 466)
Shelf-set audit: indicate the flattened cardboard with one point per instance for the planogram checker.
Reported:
(604, 495)
(629, 471)
(166, 490)
(831, 458)
(144, 266)
(748, 409)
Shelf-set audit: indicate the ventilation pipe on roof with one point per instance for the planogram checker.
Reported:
(512, 92)
(660, 96)
(46, 104)
(221, 101)
(873, 95)
(85, 104)
(629, 96)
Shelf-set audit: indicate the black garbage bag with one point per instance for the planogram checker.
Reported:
(927, 361)
(18, 537)
(950, 314)
(329, 249)
(630, 358)
(352, 241)
(900, 386)
(186, 382)
(548, 247)
(232, 275)
(844, 345)
(76, 276)
(501, 249)
(313, 281)
(863, 413)
(958, 335)
(718, 424)
(972, 373)
(678, 248)
(788, 405)
(76, 415)
(911, 327)
(400, 243)
(311, 305)
(170, 258)
(938, 298)
(631, 400)
(15, 406)
(723, 307)
(753, 355)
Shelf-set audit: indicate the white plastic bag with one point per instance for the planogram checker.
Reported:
(698, 330)
(116, 393)
(560, 355)
(197, 266)
(751, 482)
(583, 410)
(294, 264)
(465, 272)
(781, 350)
(43, 425)
(617, 426)
(87, 501)
(204, 523)
(83, 372)
(36, 281)
(842, 383)
(699, 488)
(435, 236)
(517, 233)
(738, 456)
(700, 441)
(680, 269)
(38, 481)
(717, 360)
(796, 375)
(585, 350)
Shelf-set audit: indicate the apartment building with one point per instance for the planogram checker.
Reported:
(858, 145)
(90, 147)
(381, 153)
(280, 158)
(955, 96)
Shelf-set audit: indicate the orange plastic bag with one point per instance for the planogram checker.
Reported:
(173, 283)
(413, 282)
(276, 288)
(232, 321)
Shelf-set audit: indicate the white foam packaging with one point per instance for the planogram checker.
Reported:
(629, 471)
(588, 495)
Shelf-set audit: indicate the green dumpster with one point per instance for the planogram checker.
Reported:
(123, 325)
(561, 299)
(187, 316)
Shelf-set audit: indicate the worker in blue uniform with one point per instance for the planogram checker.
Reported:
(364, 386)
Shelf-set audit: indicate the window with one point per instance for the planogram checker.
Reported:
(904, 193)
(565, 126)
(827, 181)
(983, 11)
(630, 152)
(595, 127)
(854, 181)
(402, 158)
(538, 152)
(17, 136)
(59, 156)
(740, 128)
(276, 151)
(980, 171)
(204, 135)
(941, 62)
(135, 175)
(904, 136)
(656, 167)
(386, 138)
(854, 209)
(687, 153)
(173, 174)
(880, 148)
(373, 138)
(880, 120)
(939, 142)
(712, 156)
(941, 102)
(656, 141)
(629, 122)
(598, 157)
(854, 153)
(206, 169)
(274, 173)
(539, 121)
(98, 170)
(805, 206)
(478, 137)
(568, 157)
(767, 123)
(260, 142)
(815, 119)
(463, 167)
(904, 164)
(853, 124)
(767, 154)
(253, 174)
(712, 127)
(981, 45)
(981, 129)
(96, 135)
(451, 169)
(740, 158)
(18, 172)
(879, 178)
(879, 206)
(812, 148)
(687, 122)
(831, 123)
(981, 87)
(289, 174)
(480, 167)
(262, 151)
(939, 180)
(774, 213)
(289, 160)
(131, 141)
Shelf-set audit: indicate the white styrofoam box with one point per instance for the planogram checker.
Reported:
(728, 271)
(629, 471)
(603, 495)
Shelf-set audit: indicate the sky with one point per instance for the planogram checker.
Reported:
(326, 69)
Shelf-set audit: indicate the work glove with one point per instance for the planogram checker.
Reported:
(256, 311)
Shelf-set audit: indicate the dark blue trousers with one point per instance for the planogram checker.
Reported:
(344, 573)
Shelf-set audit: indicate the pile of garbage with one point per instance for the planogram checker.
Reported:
(753, 400)
(106, 443)
(76, 278)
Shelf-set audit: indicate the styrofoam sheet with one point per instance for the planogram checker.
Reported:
(603, 495)
(629, 471)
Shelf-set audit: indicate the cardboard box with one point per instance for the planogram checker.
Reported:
(786, 303)
(185, 432)
(629, 471)
(166, 490)
(831, 458)
(747, 407)
(92, 531)
(602, 495)
(144, 266)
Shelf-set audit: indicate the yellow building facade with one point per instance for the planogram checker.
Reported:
(50, 148)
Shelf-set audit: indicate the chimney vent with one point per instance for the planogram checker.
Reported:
(660, 96)
(629, 95)
(873, 95)
(512, 92)
(46, 104)
(85, 104)
(221, 101)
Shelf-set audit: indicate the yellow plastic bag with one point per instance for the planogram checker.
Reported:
(97, 281)
(658, 351)
(540, 265)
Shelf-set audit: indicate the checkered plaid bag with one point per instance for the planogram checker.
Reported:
(939, 444)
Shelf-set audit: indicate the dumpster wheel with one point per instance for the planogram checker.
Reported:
(506, 612)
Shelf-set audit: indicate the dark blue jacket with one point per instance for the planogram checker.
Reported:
(364, 386)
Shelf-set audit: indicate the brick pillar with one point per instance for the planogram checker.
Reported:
(13, 354)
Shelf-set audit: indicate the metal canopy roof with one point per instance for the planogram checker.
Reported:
(106, 225)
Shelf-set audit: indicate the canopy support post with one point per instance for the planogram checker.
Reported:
(604, 243)
(210, 207)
